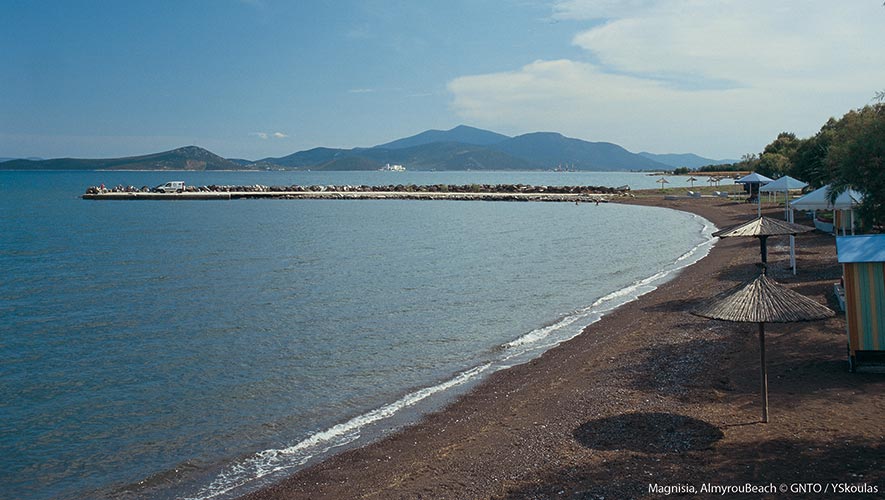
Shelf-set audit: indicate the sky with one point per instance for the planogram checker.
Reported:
(265, 78)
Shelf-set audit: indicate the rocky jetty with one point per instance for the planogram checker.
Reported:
(402, 191)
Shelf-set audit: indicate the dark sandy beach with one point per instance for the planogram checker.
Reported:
(648, 397)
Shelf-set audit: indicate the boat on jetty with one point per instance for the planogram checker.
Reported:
(392, 168)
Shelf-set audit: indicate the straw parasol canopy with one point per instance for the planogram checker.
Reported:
(662, 181)
(692, 180)
(762, 228)
(761, 301)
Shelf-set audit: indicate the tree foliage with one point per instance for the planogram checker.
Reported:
(848, 153)
(856, 158)
(810, 159)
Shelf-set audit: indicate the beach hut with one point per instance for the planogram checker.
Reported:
(761, 301)
(863, 272)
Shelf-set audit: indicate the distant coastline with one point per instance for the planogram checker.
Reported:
(459, 149)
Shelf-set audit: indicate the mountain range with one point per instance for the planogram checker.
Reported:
(461, 148)
(186, 158)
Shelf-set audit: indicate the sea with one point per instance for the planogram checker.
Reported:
(203, 349)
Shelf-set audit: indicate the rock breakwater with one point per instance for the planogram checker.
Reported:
(491, 192)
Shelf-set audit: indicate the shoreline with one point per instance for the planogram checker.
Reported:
(412, 406)
(531, 430)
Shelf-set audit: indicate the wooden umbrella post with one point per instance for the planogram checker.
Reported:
(763, 373)
(763, 249)
(762, 301)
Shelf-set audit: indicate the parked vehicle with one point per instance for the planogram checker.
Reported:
(170, 187)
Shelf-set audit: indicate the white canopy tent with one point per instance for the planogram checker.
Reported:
(784, 185)
(819, 199)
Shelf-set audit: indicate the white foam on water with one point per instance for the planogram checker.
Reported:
(559, 332)
(272, 461)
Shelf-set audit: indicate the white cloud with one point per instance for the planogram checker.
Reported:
(360, 91)
(720, 78)
(747, 42)
(266, 135)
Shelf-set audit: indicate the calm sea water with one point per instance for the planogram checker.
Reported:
(198, 349)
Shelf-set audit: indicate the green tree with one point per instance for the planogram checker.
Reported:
(857, 157)
(785, 144)
(810, 158)
(776, 159)
(773, 165)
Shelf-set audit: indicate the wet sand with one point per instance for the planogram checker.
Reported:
(648, 397)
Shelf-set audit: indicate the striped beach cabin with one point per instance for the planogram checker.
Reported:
(863, 269)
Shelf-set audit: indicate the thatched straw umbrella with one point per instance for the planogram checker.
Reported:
(692, 180)
(662, 181)
(763, 300)
(762, 228)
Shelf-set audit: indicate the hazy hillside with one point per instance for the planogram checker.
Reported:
(457, 156)
(551, 150)
(186, 158)
(689, 160)
(434, 156)
(309, 158)
(350, 163)
(461, 133)
(461, 148)
(32, 158)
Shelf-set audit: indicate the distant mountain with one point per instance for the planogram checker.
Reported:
(430, 156)
(32, 158)
(461, 148)
(457, 156)
(551, 150)
(468, 148)
(349, 163)
(309, 158)
(186, 158)
(241, 161)
(689, 160)
(461, 133)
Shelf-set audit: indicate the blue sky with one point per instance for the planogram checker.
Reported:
(258, 78)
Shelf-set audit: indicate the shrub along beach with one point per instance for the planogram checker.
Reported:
(646, 401)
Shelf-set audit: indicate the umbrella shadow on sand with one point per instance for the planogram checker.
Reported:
(648, 433)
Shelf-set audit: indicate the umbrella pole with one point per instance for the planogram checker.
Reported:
(763, 373)
(792, 240)
(763, 249)
(759, 202)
